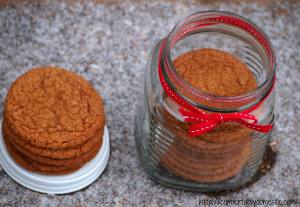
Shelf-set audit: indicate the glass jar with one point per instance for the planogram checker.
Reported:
(168, 151)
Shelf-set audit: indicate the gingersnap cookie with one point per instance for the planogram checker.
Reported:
(59, 154)
(215, 72)
(225, 134)
(210, 159)
(188, 174)
(53, 108)
(221, 153)
(227, 151)
(199, 171)
(77, 161)
(204, 164)
(53, 121)
(224, 138)
(199, 145)
(31, 166)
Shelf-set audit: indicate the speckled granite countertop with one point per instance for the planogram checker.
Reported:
(108, 44)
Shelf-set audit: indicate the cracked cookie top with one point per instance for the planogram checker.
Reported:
(54, 108)
(215, 72)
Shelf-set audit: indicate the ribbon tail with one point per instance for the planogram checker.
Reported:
(257, 127)
(201, 128)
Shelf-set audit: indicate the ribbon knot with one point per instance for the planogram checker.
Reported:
(201, 122)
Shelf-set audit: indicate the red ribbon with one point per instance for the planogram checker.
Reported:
(201, 122)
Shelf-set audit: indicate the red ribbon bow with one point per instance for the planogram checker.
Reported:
(201, 122)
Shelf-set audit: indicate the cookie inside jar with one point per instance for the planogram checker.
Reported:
(221, 153)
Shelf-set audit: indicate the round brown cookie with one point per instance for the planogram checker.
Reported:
(207, 166)
(213, 157)
(38, 166)
(53, 108)
(227, 133)
(77, 161)
(66, 153)
(215, 72)
(230, 134)
(19, 159)
(197, 148)
(188, 172)
(180, 171)
(221, 153)
(217, 164)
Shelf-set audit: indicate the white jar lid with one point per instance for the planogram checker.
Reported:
(56, 184)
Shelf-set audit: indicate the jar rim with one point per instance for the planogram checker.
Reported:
(258, 94)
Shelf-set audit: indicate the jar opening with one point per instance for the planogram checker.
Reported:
(225, 30)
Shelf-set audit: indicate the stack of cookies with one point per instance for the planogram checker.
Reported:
(212, 157)
(53, 121)
(221, 153)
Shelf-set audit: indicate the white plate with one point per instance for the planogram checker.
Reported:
(56, 184)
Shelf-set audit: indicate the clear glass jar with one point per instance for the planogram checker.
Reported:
(168, 154)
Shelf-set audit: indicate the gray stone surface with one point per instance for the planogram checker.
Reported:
(108, 44)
